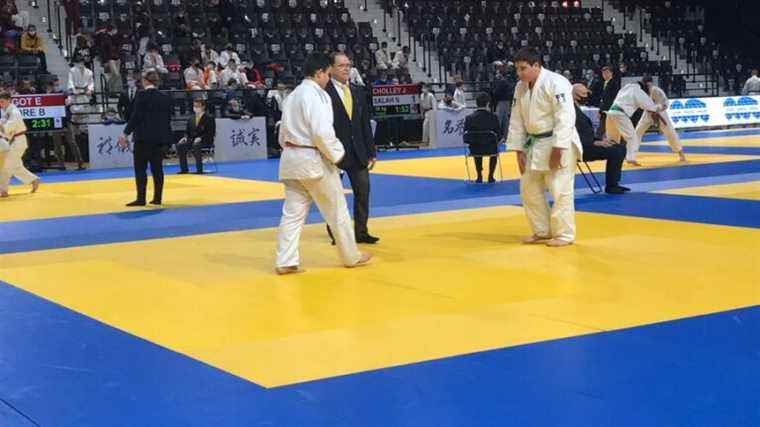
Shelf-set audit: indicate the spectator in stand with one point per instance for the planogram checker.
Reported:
(24, 87)
(232, 73)
(228, 55)
(752, 85)
(31, 44)
(382, 57)
(459, 96)
(81, 87)
(448, 102)
(401, 59)
(194, 76)
(153, 60)
(73, 16)
(253, 75)
(109, 42)
(382, 79)
(210, 76)
(83, 50)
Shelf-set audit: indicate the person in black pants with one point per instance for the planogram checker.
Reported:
(353, 129)
(201, 129)
(599, 149)
(150, 122)
(481, 121)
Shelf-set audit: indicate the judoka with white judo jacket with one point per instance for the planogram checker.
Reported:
(542, 132)
(666, 124)
(619, 124)
(13, 130)
(310, 152)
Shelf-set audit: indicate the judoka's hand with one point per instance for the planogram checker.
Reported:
(555, 161)
(371, 164)
(521, 162)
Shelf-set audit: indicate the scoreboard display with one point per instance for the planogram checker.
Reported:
(395, 100)
(42, 112)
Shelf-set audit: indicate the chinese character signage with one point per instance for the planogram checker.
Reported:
(240, 139)
(449, 128)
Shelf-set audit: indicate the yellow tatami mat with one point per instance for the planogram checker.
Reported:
(441, 284)
(741, 190)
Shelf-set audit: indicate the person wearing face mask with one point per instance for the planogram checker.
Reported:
(233, 73)
(13, 130)
(199, 134)
(81, 87)
(127, 98)
(32, 44)
(153, 60)
(194, 76)
(228, 55)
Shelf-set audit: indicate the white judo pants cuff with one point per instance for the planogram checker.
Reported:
(557, 222)
(668, 130)
(14, 166)
(327, 193)
(619, 126)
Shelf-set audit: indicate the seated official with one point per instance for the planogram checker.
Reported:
(236, 111)
(594, 149)
(200, 132)
(476, 128)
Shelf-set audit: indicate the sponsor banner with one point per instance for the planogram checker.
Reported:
(714, 112)
(449, 128)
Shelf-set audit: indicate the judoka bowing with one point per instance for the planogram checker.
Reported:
(13, 130)
(310, 152)
(620, 128)
(666, 124)
(542, 132)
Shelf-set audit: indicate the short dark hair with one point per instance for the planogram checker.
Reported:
(314, 63)
(200, 101)
(335, 55)
(5, 95)
(607, 68)
(482, 99)
(152, 76)
(529, 55)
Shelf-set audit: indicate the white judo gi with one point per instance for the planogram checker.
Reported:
(81, 81)
(619, 124)
(309, 173)
(666, 126)
(12, 124)
(427, 107)
(543, 118)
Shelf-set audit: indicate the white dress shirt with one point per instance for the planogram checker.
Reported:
(225, 57)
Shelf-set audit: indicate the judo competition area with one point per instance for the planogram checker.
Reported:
(173, 316)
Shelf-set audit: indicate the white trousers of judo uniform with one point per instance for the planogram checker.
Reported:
(619, 125)
(14, 166)
(327, 193)
(557, 221)
(667, 129)
(427, 122)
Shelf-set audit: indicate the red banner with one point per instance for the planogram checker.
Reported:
(34, 101)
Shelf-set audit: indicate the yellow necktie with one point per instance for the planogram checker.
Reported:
(347, 101)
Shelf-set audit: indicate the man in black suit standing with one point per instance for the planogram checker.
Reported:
(610, 89)
(199, 134)
(353, 129)
(483, 144)
(151, 124)
(127, 97)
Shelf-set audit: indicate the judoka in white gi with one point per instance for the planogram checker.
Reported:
(619, 125)
(12, 131)
(542, 132)
(666, 125)
(81, 87)
(310, 152)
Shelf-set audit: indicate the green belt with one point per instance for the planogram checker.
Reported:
(616, 108)
(533, 137)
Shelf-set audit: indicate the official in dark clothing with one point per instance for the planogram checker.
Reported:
(610, 89)
(597, 149)
(199, 134)
(151, 124)
(481, 144)
(127, 98)
(353, 129)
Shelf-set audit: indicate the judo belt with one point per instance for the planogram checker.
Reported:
(534, 137)
(289, 144)
(618, 109)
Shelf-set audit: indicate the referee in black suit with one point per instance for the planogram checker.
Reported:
(150, 122)
(352, 127)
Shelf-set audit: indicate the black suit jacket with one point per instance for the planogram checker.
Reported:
(481, 121)
(125, 104)
(151, 118)
(355, 133)
(585, 129)
(205, 130)
(609, 94)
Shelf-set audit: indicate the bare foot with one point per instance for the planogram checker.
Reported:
(281, 271)
(681, 157)
(4, 194)
(363, 260)
(35, 185)
(533, 240)
(557, 243)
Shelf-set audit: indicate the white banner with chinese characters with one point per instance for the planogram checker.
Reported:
(449, 128)
(105, 153)
(240, 139)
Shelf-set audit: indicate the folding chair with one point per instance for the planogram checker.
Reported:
(480, 137)
(596, 187)
(207, 157)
